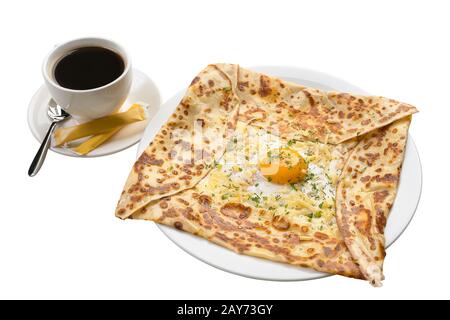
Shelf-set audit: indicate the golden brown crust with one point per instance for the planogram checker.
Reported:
(236, 227)
(367, 192)
(176, 160)
(297, 112)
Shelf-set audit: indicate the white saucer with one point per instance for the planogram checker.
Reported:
(143, 90)
(402, 212)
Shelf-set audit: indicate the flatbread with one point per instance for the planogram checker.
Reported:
(296, 112)
(175, 160)
(235, 226)
(366, 193)
(342, 124)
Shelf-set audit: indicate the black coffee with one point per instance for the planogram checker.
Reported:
(88, 68)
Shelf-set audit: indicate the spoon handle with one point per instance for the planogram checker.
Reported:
(42, 152)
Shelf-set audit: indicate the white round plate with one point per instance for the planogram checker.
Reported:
(143, 91)
(401, 214)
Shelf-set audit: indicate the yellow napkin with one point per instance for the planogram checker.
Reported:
(102, 126)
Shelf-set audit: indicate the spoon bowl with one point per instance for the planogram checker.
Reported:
(56, 114)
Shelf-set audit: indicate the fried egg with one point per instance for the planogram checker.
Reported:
(291, 179)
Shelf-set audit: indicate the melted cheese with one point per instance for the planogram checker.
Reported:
(237, 178)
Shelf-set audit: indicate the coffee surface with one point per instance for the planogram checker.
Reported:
(88, 68)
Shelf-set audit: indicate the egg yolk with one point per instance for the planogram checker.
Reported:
(283, 166)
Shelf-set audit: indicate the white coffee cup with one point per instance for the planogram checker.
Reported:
(91, 103)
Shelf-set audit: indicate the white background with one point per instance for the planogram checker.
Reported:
(58, 234)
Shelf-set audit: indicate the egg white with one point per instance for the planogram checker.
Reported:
(236, 177)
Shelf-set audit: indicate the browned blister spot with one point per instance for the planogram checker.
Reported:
(292, 239)
(178, 225)
(387, 178)
(280, 223)
(380, 220)
(264, 86)
(236, 210)
(320, 235)
(145, 160)
(242, 85)
(170, 213)
(363, 219)
(195, 80)
(204, 200)
(311, 101)
(379, 196)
